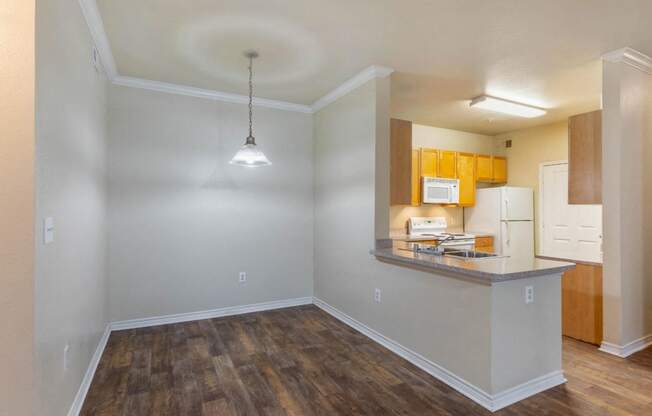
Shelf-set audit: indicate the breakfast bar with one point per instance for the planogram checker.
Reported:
(510, 311)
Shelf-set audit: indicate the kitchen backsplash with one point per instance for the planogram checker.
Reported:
(399, 215)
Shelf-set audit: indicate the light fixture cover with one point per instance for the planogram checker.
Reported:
(499, 105)
(249, 155)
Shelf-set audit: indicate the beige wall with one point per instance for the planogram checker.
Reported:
(184, 222)
(400, 214)
(17, 45)
(530, 148)
(627, 174)
(460, 141)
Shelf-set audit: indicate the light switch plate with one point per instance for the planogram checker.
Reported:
(48, 230)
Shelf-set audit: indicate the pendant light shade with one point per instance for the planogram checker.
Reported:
(249, 154)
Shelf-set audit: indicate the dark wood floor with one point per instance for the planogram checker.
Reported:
(302, 361)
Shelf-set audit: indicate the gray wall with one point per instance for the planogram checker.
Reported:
(348, 203)
(627, 180)
(70, 282)
(183, 222)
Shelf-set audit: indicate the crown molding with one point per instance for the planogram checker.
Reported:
(358, 80)
(631, 57)
(96, 27)
(208, 94)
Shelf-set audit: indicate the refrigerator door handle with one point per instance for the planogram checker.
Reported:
(506, 209)
(507, 240)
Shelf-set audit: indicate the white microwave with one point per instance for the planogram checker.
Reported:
(440, 191)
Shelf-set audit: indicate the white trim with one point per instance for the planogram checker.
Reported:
(624, 351)
(491, 402)
(351, 84)
(90, 373)
(208, 94)
(631, 57)
(96, 27)
(540, 204)
(213, 313)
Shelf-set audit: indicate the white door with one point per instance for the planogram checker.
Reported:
(517, 204)
(568, 231)
(517, 238)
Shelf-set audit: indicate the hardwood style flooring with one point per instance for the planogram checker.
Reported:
(302, 361)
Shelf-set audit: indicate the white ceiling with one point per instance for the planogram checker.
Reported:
(445, 52)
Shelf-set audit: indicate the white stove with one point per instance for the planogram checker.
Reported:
(435, 227)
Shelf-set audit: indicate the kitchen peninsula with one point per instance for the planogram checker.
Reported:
(502, 315)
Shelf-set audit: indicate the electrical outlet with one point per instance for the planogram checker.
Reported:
(66, 357)
(377, 295)
(242, 278)
(529, 294)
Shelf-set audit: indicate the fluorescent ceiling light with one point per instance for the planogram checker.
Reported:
(499, 105)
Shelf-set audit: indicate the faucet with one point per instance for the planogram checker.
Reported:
(438, 248)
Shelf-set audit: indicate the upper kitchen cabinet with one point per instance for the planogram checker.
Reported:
(492, 169)
(484, 168)
(429, 162)
(465, 169)
(447, 164)
(585, 158)
(402, 165)
(500, 169)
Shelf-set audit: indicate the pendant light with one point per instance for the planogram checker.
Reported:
(249, 155)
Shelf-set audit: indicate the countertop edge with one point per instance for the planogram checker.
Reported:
(458, 272)
(584, 262)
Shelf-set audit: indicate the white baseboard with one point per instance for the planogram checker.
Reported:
(90, 373)
(213, 313)
(624, 351)
(491, 402)
(169, 319)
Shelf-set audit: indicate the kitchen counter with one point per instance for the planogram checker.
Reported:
(484, 270)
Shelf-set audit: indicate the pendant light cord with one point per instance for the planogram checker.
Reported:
(251, 94)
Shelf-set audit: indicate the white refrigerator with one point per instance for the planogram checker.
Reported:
(507, 213)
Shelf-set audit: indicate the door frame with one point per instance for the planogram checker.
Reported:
(540, 203)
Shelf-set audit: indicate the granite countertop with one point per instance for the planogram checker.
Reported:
(485, 270)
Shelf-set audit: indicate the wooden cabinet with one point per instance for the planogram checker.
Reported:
(416, 178)
(500, 169)
(585, 158)
(429, 162)
(492, 169)
(484, 243)
(465, 170)
(484, 168)
(400, 163)
(447, 164)
(581, 303)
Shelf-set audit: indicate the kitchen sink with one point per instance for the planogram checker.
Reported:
(470, 254)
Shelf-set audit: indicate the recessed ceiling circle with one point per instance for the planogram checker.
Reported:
(214, 46)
